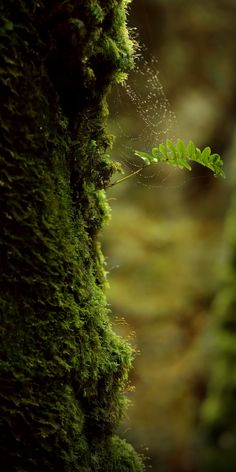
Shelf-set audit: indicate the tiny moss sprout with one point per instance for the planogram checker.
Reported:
(177, 155)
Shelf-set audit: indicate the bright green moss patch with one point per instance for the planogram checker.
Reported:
(125, 458)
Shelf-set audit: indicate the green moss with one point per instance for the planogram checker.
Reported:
(125, 458)
(63, 370)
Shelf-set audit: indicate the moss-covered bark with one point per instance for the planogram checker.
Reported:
(219, 413)
(63, 370)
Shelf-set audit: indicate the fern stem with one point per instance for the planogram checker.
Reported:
(118, 181)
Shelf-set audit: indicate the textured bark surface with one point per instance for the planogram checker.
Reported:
(63, 370)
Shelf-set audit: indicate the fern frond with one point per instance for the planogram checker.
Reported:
(178, 155)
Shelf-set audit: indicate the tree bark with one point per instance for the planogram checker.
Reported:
(63, 370)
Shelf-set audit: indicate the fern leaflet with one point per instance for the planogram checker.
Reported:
(179, 155)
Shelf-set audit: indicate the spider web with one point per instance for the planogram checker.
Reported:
(141, 117)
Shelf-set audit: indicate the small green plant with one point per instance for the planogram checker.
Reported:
(178, 155)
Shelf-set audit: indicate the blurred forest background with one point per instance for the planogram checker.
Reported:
(166, 245)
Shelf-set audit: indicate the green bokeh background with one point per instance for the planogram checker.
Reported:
(165, 245)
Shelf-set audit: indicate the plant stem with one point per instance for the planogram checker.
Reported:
(118, 181)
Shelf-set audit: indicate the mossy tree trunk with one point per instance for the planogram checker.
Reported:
(219, 412)
(63, 370)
